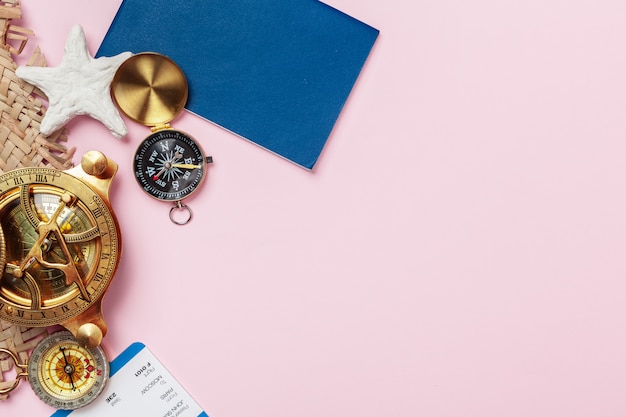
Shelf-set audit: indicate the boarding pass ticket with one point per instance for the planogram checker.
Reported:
(139, 385)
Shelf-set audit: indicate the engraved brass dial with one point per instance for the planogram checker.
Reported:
(62, 247)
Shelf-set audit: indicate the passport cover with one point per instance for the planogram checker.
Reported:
(275, 72)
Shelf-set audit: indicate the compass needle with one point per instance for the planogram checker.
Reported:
(68, 368)
(187, 166)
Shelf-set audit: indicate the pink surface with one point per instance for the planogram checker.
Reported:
(458, 250)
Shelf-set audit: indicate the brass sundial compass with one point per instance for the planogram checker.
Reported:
(61, 246)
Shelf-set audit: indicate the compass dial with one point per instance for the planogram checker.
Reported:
(66, 375)
(61, 246)
(169, 165)
(50, 280)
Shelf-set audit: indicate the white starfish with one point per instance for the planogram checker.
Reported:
(79, 85)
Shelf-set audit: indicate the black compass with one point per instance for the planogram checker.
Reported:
(169, 164)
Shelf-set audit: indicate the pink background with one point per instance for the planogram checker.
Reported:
(458, 250)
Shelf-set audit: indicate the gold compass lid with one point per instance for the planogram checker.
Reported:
(150, 89)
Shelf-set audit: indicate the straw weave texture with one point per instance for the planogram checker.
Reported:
(22, 145)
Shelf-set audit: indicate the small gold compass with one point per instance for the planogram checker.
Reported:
(63, 374)
(169, 165)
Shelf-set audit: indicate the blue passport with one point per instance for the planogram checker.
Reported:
(275, 72)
